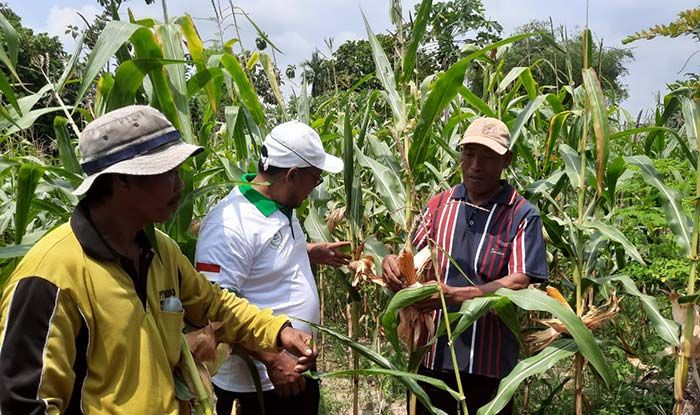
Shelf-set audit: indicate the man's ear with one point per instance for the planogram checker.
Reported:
(291, 174)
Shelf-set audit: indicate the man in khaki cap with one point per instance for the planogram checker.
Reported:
(495, 237)
(92, 317)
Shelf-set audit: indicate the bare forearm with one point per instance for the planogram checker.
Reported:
(515, 281)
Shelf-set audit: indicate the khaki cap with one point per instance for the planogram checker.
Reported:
(489, 132)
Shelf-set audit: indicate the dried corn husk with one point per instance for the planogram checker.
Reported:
(335, 217)
(593, 319)
(415, 328)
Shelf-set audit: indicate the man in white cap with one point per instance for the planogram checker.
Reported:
(495, 237)
(92, 317)
(252, 243)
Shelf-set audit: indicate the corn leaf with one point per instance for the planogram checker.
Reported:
(535, 365)
(388, 372)
(11, 40)
(316, 227)
(383, 362)
(667, 329)
(599, 115)
(476, 102)
(533, 299)
(443, 92)
(419, 26)
(613, 234)
(388, 187)
(678, 221)
(523, 117)
(66, 150)
(385, 74)
(244, 88)
(112, 37)
(14, 251)
(28, 178)
(403, 299)
(172, 49)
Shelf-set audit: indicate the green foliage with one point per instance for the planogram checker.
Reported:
(557, 59)
(688, 23)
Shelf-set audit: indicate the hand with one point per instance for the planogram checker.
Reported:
(281, 368)
(391, 274)
(328, 253)
(297, 343)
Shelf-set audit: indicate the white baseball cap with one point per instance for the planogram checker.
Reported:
(295, 144)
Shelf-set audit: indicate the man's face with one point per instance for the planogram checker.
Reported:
(155, 198)
(482, 168)
(300, 182)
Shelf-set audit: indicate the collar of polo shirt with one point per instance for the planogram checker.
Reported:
(264, 204)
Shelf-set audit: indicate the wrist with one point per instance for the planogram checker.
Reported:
(287, 324)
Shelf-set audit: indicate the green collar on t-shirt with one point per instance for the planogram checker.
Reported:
(265, 205)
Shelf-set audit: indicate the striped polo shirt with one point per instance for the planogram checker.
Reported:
(501, 237)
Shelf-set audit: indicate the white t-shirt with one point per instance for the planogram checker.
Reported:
(248, 245)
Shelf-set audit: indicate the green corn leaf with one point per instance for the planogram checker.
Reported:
(146, 46)
(316, 227)
(172, 49)
(66, 150)
(613, 234)
(245, 89)
(682, 142)
(532, 299)
(383, 362)
(386, 372)
(535, 365)
(385, 74)
(403, 299)
(419, 26)
(7, 91)
(476, 102)
(28, 178)
(667, 329)
(269, 69)
(112, 37)
(599, 114)
(572, 164)
(70, 66)
(679, 222)
(14, 251)
(523, 117)
(388, 186)
(11, 40)
(556, 124)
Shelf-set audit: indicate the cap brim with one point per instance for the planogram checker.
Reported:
(332, 164)
(488, 142)
(145, 165)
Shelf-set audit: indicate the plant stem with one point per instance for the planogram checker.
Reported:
(450, 343)
(681, 372)
(202, 395)
(165, 11)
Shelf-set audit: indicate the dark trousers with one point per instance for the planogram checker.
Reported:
(305, 403)
(479, 390)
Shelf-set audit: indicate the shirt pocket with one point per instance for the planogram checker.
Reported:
(494, 259)
(170, 326)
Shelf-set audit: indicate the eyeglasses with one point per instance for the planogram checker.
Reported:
(319, 178)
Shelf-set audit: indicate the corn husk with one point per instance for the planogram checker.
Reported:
(415, 328)
(593, 319)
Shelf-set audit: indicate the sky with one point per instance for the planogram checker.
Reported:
(298, 27)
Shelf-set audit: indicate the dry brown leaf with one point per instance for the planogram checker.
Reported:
(202, 342)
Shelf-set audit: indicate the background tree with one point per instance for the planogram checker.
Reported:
(552, 53)
(454, 24)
